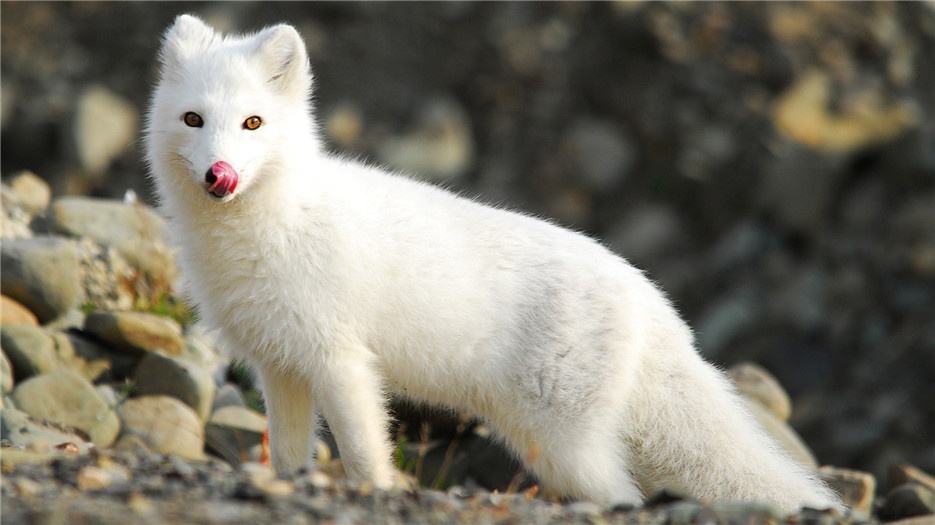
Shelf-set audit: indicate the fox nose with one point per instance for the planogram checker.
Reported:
(210, 177)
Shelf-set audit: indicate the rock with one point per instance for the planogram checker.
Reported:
(134, 230)
(857, 489)
(228, 395)
(159, 374)
(66, 397)
(804, 113)
(11, 312)
(757, 384)
(109, 282)
(15, 223)
(105, 125)
(135, 333)
(601, 155)
(6, 374)
(164, 424)
(904, 473)
(42, 273)
(908, 500)
(440, 148)
(784, 434)
(83, 356)
(31, 350)
(32, 192)
(22, 429)
(236, 433)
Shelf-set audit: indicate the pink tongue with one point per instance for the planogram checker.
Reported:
(226, 180)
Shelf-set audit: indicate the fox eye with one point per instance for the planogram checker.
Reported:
(193, 120)
(252, 123)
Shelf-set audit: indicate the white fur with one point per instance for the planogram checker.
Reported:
(340, 283)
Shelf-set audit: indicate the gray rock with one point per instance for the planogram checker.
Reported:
(6, 373)
(42, 273)
(105, 125)
(11, 312)
(601, 155)
(22, 429)
(164, 424)
(32, 192)
(908, 500)
(228, 395)
(66, 397)
(757, 384)
(83, 356)
(440, 148)
(236, 433)
(784, 434)
(31, 350)
(158, 374)
(134, 230)
(135, 333)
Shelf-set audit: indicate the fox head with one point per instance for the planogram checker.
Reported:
(225, 109)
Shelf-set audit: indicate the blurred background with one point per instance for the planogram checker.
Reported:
(771, 165)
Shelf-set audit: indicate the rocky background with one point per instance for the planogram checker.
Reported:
(772, 166)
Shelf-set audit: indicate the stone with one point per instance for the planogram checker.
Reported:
(601, 155)
(135, 333)
(42, 274)
(32, 192)
(24, 430)
(646, 233)
(15, 223)
(164, 424)
(228, 395)
(6, 374)
(908, 500)
(857, 489)
(904, 473)
(757, 384)
(31, 350)
(236, 433)
(159, 374)
(66, 397)
(784, 434)
(105, 125)
(136, 231)
(83, 356)
(441, 147)
(11, 312)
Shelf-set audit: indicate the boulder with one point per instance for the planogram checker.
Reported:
(42, 274)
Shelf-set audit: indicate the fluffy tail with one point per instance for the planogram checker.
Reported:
(694, 434)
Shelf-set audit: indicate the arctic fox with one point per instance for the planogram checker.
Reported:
(340, 284)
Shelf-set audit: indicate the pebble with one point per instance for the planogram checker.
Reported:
(236, 433)
(757, 384)
(32, 192)
(135, 333)
(857, 489)
(42, 274)
(159, 374)
(908, 500)
(164, 424)
(31, 350)
(66, 397)
(105, 125)
(22, 429)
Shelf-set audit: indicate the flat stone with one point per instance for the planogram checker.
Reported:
(164, 424)
(159, 374)
(236, 433)
(759, 385)
(32, 192)
(857, 489)
(135, 333)
(41, 273)
(136, 231)
(27, 431)
(11, 312)
(66, 397)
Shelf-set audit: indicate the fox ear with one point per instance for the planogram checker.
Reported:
(283, 59)
(188, 34)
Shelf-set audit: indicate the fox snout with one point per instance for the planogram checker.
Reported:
(221, 179)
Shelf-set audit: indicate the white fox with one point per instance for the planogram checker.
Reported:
(340, 284)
